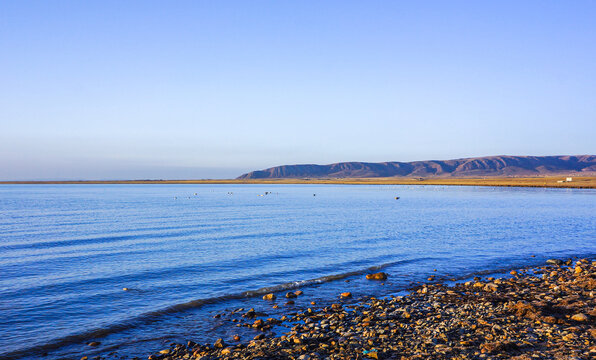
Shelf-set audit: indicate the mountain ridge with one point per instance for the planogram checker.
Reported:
(500, 165)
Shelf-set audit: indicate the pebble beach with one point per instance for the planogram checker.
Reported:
(546, 312)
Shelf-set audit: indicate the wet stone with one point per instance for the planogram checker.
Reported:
(377, 276)
(269, 297)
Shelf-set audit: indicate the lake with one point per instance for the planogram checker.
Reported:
(185, 253)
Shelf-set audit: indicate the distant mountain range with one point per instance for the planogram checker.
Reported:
(469, 167)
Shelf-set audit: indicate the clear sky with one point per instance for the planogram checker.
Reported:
(212, 89)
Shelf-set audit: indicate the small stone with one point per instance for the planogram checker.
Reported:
(580, 317)
(291, 295)
(497, 346)
(165, 351)
(524, 309)
(258, 323)
(442, 348)
(273, 321)
(298, 292)
(236, 338)
(513, 272)
(269, 297)
(490, 287)
(290, 302)
(219, 343)
(377, 276)
(94, 343)
(578, 269)
(346, 295)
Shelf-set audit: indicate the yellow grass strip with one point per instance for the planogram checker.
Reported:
(584, 182)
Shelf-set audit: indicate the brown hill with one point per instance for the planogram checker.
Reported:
(469, 167)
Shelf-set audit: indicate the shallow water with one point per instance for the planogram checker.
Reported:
(187, 252)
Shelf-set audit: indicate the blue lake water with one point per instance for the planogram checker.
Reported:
(187, 252)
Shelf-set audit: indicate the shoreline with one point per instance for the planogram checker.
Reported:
(578, 182)
(546, 312)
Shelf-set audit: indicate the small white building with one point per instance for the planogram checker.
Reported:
(569, 179)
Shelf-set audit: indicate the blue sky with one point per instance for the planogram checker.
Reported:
(212, 89)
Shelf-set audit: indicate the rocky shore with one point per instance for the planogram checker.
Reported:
(546, 312)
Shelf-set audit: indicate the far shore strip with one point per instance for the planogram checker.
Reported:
(577, 182)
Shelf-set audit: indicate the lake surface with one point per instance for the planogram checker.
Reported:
(188, 252)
